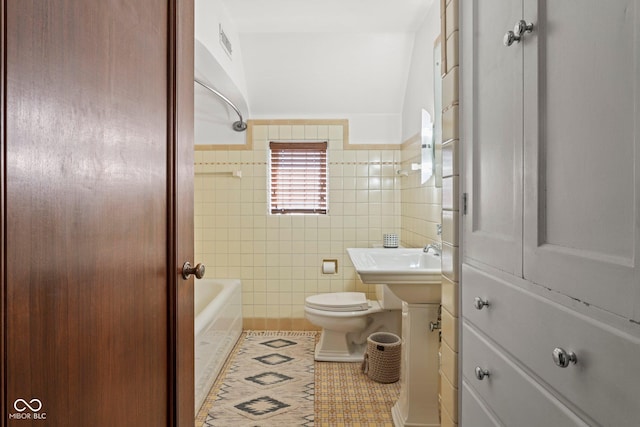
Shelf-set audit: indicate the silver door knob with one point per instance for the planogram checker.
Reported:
(434, 325)
(188, 270)
(564, 358)
(481, 373)
(479, 303)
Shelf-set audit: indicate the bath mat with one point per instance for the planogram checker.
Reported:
(269, 382)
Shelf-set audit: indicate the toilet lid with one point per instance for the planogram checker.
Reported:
(339, 301)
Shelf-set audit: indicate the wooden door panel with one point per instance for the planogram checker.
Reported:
(492, 136)
(582, 236)
(184, 215)
(90, 139)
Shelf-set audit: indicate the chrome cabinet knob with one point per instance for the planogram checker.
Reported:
(481, 373)
(188, 270)
(479, 303)
(563, 358)
(519, 30)
(510, 38)
(522, 27)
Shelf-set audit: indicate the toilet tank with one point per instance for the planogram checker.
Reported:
(387, 299)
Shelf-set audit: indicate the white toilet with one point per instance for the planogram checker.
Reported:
(348, 318)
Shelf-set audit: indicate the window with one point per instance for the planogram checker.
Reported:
(298, 178)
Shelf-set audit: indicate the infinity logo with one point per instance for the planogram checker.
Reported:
(21, 405)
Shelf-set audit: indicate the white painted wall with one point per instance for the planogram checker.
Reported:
(379, 81)
(357, 76)
(213, 117)
(420, 86)
(208, 14)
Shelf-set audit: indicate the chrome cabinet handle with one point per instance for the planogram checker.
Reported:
(563, 358)
(479, 303)
(481, 373)
(188, 270)
(519, 30)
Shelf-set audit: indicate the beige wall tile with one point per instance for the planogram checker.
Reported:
(450, 262)
(449, 363)
(446, 420)
(443, 33)
(450, 193)
(450, 165)
(272, 324)
(260, 132)
(449, 399)
(297, 132)
(450, 124)
(450, 295)
(285, 132)
(450, 197)
(450, 223)
(450, 95)
(420, 204)
(273, 132)
(453, 58)
(247, 323)
(449, 330)
(336, 132)
(311, 132)
(451, 17)
(278, 258)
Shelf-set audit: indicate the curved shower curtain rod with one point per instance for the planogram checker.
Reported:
(238, 126)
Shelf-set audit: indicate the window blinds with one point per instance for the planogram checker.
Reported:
(298, 179)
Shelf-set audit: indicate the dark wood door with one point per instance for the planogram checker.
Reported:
(96, 158)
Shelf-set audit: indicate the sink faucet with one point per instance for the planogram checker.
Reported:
(437, 248)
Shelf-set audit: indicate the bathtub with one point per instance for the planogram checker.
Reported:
(217, 327)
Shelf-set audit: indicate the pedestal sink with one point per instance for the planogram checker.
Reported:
(415, 277)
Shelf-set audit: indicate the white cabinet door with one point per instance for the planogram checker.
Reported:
(491, 112)
(582, 150)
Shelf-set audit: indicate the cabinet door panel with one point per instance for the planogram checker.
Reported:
(581, 128)
(492, 135)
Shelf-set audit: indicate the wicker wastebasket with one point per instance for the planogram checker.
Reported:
(382, 358)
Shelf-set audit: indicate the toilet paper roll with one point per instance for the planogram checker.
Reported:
(328, 267)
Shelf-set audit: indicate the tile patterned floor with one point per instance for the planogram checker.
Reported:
(347, 397)
(344, 396)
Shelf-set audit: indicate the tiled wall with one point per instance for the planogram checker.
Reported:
(278, 257)
(450, 214)
(420, 203)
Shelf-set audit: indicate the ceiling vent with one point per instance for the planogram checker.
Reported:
(224, 41)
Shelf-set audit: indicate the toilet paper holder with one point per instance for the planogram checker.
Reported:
(329, 266)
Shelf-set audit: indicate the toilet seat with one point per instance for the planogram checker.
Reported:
(374, 307)
(338, 301)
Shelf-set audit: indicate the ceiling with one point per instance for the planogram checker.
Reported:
(322, 16)
(326, 58)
